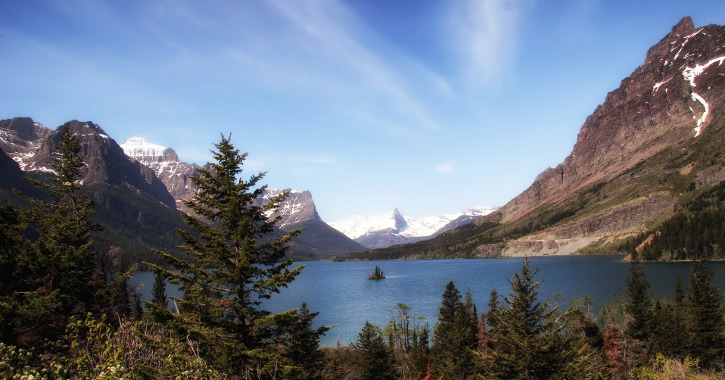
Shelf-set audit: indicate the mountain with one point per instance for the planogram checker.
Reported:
(173, 173)
(657, 141)
(317, 240)
(394, 228)
(133, 206)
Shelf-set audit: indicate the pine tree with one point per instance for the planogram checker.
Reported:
(444, 333)
(57, 268)
(668, 330)
(526, 342)
(493, 306)
(465, 338)
(302, 348)
(62, 258)
(12, 279)
(158, 307)
(374, 357)
(233, 265)
(638, 315)
(420, 352)
(705, 317)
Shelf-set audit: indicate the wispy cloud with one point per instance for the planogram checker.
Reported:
(485, 36)
(331, 52)
(445, 167)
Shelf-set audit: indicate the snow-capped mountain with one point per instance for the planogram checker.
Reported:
(395, 228)
(176, 175)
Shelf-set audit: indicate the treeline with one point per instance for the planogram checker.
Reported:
(520, 337)
(62, 315)
(695, 232)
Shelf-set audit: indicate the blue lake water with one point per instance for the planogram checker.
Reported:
(345, 298)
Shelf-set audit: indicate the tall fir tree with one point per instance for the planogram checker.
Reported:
(58, 267)
(302, 347)
(455, 336)
(232, 264)
(443, 335)
(158, 307)
(375, 359)
(526, 341)
(707, 342)
(638, 315)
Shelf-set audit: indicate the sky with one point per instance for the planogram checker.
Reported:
(430, 107)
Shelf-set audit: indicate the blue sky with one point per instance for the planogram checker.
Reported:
(427, 106)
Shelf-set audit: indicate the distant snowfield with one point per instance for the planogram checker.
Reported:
(398, 224)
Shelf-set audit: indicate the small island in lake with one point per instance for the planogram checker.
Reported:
(378, 275)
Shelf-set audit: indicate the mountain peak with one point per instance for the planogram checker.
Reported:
(78, 126)
(140, 149)
(683, 27)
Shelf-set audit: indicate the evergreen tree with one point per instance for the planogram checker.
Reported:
(445, 344)
(12, 280)
(58, 273)
(158, 307)
(705, 317)
(446, 316)
(302, 348)
(62, 259)
(232, 265)
(493, 307)
(679, 293)
(668, 330)
(638, 304)
(420, 352)
(465, 339)
(526, 343)
(120, 297)
(374, 357)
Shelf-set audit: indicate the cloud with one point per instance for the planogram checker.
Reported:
(326, 50)
(445, 167)
(485, 36)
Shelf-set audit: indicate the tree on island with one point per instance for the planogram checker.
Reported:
(377, 275)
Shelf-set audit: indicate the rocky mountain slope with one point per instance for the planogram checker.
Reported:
(656, 139)
(318, 239)
(173, 173)
(395, 228)
(133, 206)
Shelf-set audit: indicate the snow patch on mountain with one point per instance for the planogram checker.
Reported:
(398, 224)
(139, 148)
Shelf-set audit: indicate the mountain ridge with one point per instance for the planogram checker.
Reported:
(395, 228)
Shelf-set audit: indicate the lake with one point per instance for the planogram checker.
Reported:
(345, 298)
